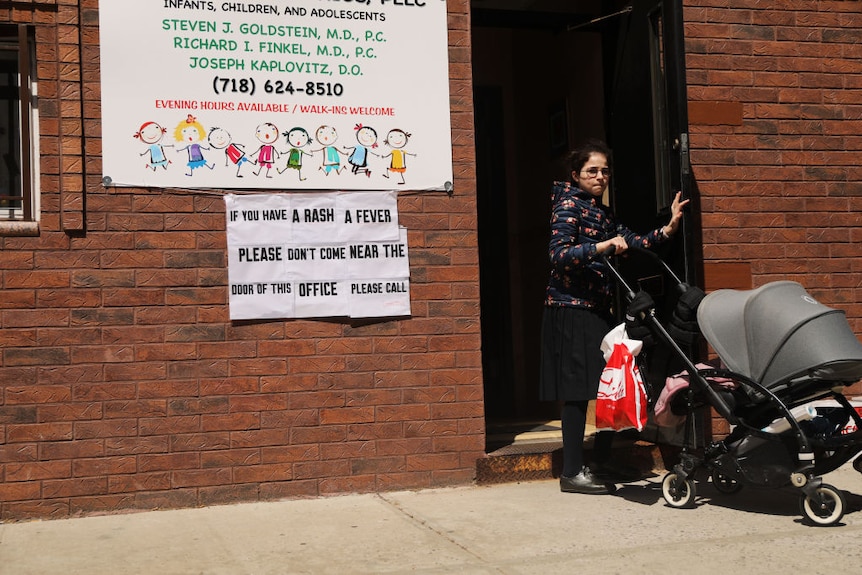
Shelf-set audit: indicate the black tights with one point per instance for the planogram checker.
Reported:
(574, 420)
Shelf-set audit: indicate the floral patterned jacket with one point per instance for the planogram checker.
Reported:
(579, 221)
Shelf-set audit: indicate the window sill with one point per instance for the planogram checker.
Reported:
(19, 229)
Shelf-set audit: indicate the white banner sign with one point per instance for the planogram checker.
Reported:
(282, 94)
(316, 255)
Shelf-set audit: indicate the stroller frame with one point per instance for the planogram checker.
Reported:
(753, 454)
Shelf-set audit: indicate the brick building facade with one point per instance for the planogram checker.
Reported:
(775, 116)
(123, 384)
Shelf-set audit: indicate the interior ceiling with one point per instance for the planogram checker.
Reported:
(540, 14)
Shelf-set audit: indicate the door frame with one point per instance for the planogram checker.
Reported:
(502, 359)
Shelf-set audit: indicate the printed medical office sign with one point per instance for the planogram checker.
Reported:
(322, 254)
(285, 94)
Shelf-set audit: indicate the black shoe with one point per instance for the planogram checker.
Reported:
(615, 471)
(583, 482)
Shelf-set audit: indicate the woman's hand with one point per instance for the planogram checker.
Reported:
(619, 243)
(675, 214)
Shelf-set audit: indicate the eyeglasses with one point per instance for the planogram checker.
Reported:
(594, 172)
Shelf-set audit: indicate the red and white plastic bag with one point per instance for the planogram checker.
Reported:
(622, 401)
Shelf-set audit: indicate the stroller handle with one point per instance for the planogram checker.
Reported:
(612, 250)
(650, 318)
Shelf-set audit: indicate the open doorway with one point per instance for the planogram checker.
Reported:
(547, 75)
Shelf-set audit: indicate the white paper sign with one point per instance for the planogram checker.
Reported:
(281, 266)
(281, 94)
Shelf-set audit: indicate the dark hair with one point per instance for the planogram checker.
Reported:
(296, 129)
(576, 159)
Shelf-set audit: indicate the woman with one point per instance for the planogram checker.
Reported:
(577, 312)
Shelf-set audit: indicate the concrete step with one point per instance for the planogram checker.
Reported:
(530, 451)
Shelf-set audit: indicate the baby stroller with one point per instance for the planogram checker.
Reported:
(788, 359)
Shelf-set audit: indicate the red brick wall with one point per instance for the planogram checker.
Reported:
(124, 385)
(775, 91)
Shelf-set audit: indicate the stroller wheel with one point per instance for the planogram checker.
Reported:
(823, 507)
(678, 492)
(857, 464)
(725, 484)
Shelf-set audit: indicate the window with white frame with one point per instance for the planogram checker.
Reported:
(18, 132)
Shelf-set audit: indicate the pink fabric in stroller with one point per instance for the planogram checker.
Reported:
(664, 417)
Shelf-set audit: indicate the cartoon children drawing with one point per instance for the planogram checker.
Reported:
(266, 154)
(366, 137)
(297, 138)
(151, 134)
(397, 139)
(220, 139)
(192, 132)
(327, 135)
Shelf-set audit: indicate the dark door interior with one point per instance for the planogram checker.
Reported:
(493, 252)
(547, 75)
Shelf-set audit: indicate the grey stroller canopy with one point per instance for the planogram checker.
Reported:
(778, 332)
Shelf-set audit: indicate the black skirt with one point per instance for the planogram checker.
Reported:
(572, 360)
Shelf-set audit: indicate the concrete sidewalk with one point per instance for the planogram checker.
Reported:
(515, 528)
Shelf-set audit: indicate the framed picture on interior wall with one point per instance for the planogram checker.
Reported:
(558, 127)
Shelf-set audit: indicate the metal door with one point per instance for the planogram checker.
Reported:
(647, 127)
(647, 123)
